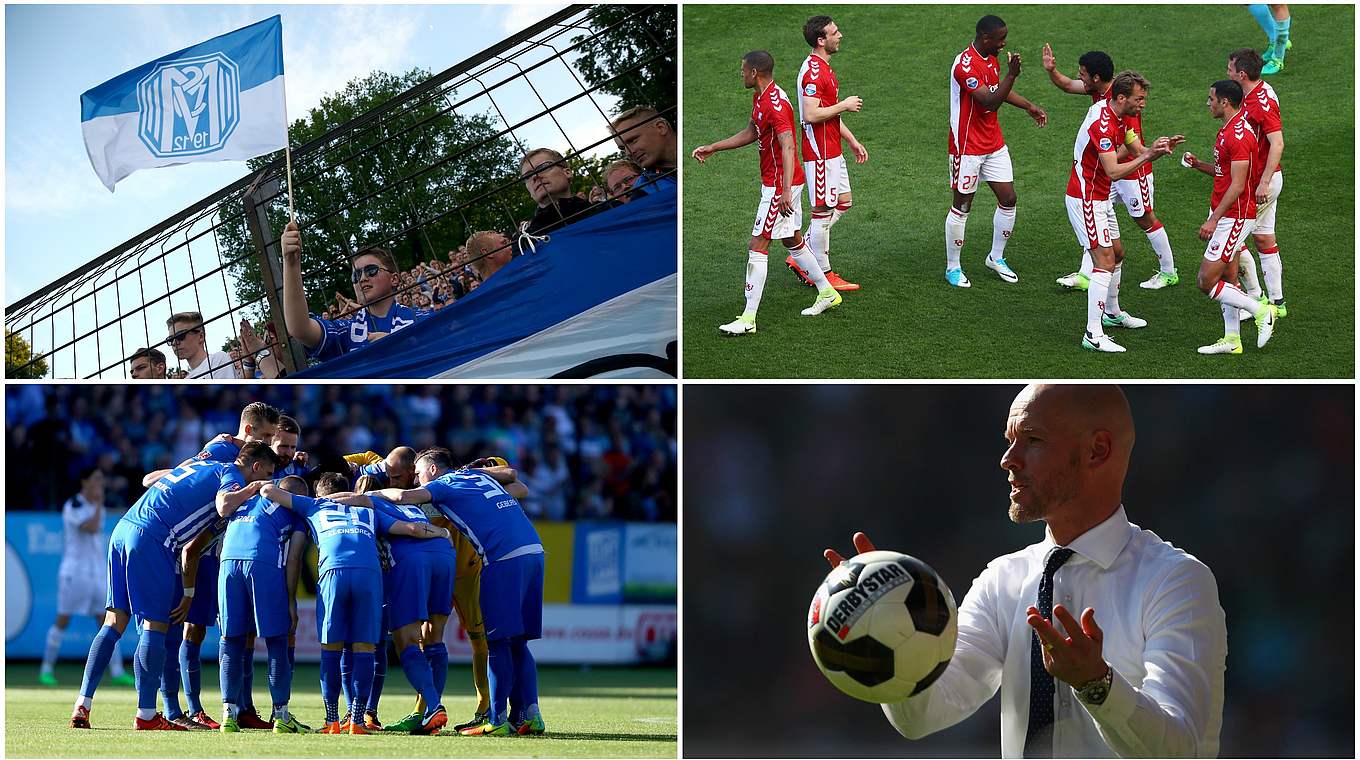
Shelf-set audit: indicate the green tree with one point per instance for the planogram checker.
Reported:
(361, 163)
(18, 354)
(620, 50)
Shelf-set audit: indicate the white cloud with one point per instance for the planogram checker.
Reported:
(355, 41)
(516, 17)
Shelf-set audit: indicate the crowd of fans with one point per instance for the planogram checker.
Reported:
(586, 452)
(387, 299)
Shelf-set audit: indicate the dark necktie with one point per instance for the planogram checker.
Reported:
(1039, 737)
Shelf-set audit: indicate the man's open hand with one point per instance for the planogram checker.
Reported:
(1074, 659)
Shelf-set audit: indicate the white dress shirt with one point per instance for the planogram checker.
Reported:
(1165, 638)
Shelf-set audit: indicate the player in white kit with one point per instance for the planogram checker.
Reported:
(81, 579)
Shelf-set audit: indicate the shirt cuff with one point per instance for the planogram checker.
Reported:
(1118, 706)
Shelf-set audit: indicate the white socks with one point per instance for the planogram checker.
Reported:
(1003, 223)
(1232, 320)
(954, 226)
(757, 264)
(1112, 295)
(1095, 301)
(808, 263)
(1227, 293)
(53, 646)
(1087, 263)
(818, 238)
(1273, 270)
(1247, 268)
(1161, 245)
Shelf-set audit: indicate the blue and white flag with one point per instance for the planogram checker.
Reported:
(220, 100)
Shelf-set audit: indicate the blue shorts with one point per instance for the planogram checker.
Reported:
(419, 586)
(512, 598)
(254, 599)
(203, 610)
(142, 577)
(349, 605)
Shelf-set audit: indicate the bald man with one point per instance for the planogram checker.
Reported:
(488, 252)
(1141, 673)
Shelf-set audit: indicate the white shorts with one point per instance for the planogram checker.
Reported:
(1265, 215)
(1093, 221)
(81, 595)
(965, 171)
(827, 181)
(1228, 238)
(772, 225)
(1135, 194)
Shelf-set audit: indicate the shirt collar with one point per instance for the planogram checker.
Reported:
(1101, 544)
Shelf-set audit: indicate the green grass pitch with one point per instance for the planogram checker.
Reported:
(600, 712)
(907, 322)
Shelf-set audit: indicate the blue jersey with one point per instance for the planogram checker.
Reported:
(493, 521)
(182, 504)
(340, 336)
(401, 546)
(220, 449)
(292, 468)
(650, 181)
(259, 531)
(345, 536)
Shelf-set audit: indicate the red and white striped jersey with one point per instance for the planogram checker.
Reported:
(1134, 124)
(816, 80)
(1263, 112)
(773, 116)
(1236, 142)
(1101, 132)
(973, 130)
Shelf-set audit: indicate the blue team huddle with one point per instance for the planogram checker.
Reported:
(220, 539)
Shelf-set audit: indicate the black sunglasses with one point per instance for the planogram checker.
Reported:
(181, 335)
(371, 270)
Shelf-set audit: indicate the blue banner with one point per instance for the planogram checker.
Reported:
(619, 562)
(597, 300)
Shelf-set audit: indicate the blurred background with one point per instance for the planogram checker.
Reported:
(599, 460)
(1257, 481)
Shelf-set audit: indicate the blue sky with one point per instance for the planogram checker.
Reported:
(58, 215)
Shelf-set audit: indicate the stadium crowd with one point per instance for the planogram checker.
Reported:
(585, 451)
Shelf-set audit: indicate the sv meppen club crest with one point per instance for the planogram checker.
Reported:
(190, 106)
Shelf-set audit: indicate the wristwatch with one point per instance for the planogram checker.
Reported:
(1095, 692)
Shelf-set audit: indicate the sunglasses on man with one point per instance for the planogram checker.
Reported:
(179, 337)
(370, 271)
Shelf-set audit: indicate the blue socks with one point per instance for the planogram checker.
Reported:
(148, 665)
(347, 677)
(191, 670)
(248, 678)
(233, 659)
(363, 683)
(438, 656)
(101, 651)
(500, 668)
(1281, 37)
(330, 683)
(280, 675)
(417, 668)
(170, 680)
(525, 691)
(1261, 12)
(379, 676)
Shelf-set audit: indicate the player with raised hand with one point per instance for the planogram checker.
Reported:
(142, 560)
(1232, 216)
(1262, 107)
(1096, 70)
(80, 587)
(977, 150)
(780, 214)
(349, 592)
(1095, 165)
(261, 549)
(823, 163)
(484, 505)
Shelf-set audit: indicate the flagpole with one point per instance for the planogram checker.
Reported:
(288, 160)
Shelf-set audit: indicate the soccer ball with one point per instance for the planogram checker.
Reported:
(882, 626)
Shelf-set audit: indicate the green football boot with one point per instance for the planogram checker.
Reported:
(405, 725)
(291, 726)
(229, 725)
